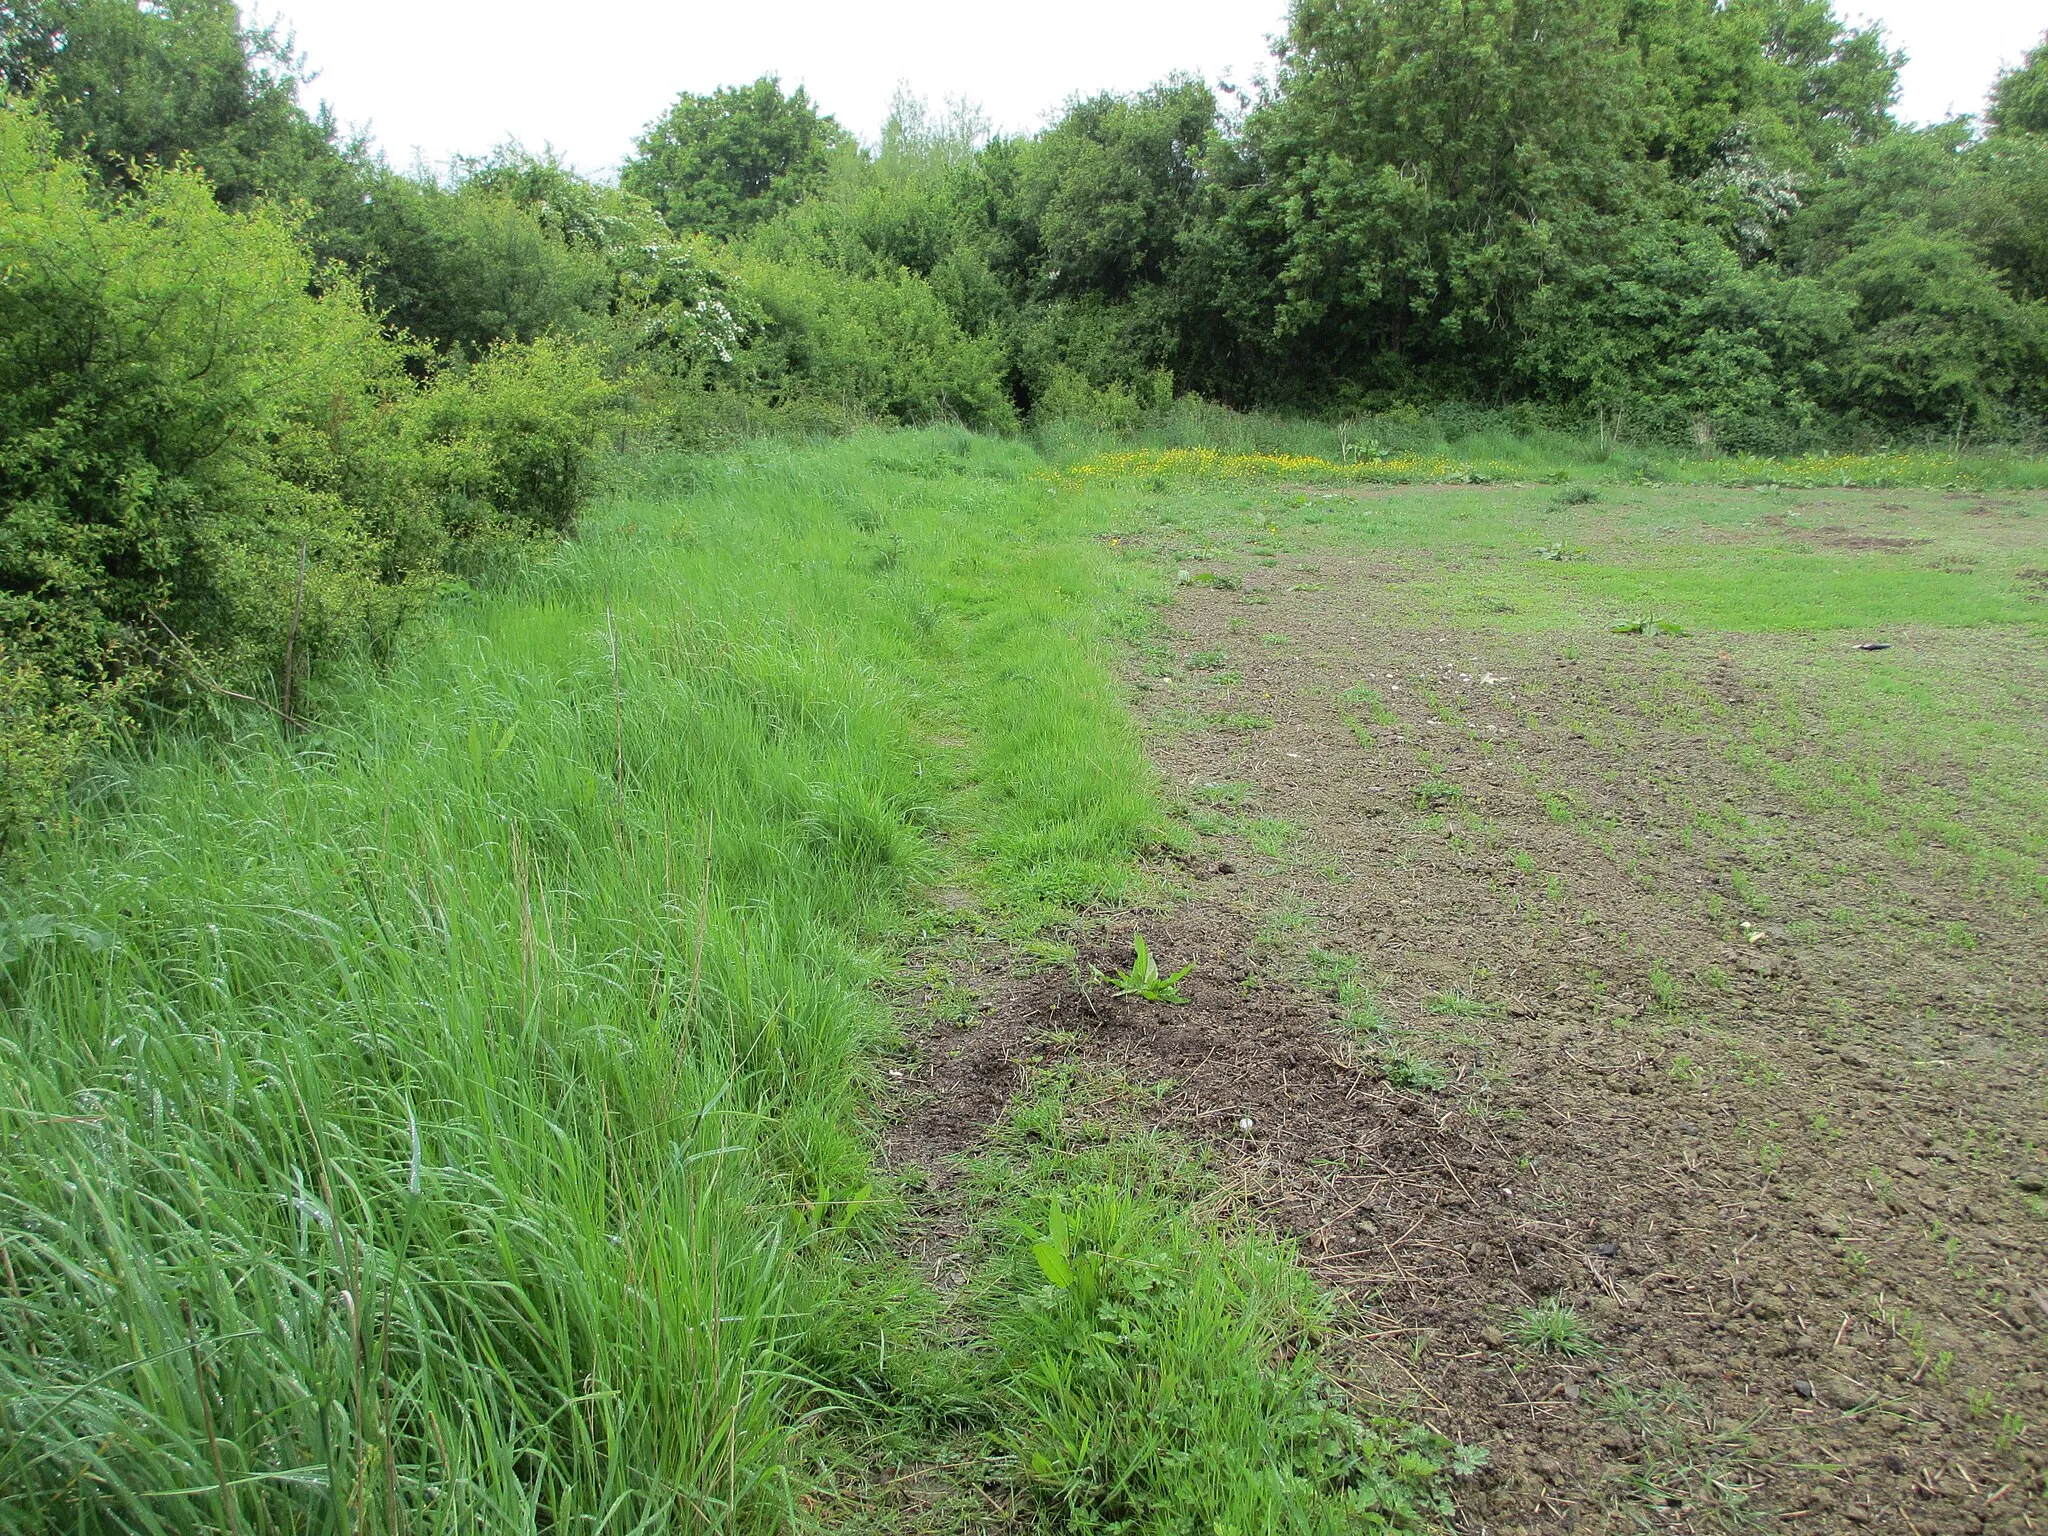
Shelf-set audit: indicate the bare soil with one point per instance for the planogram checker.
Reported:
(1785, 1166)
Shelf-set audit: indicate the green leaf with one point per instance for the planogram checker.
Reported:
(1052, 1263)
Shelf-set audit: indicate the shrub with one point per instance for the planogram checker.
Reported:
(881, 345)
(212, 474)
(510, 438)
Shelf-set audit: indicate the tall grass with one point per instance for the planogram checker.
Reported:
(429, 1121)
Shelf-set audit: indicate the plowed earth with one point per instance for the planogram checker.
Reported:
(1532, 984)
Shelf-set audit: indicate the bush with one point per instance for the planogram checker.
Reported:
(211, 475)
(881, 345)
(509, 439)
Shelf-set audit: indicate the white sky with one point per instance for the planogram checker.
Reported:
(449, 76)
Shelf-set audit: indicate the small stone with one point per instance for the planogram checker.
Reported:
(2031, 1183)
(1606, 1250)
(1245, 1124)
(1804, 1388)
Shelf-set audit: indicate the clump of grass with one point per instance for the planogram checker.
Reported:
(1272, 835)
(1551, 1327)
(1231, 794)
(1460, 1005)
(1241, 720)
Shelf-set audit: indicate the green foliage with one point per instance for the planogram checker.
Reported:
(509, 438)
(882, 345)
(129, 85)
(1686, 223)
(473, 1087)
(461, 268)
(1154, 1368)
(1151, 1392)
(726, 162)
(1936, 336)
(2019, 102)
(214, 476)
(1143, 978)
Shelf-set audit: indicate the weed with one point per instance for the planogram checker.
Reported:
(1459, 1005)
(1551, 1327)
(1665, 988)
(1685, 1458)
(1143, 978)
(1159, 1366)
(1241, 720)
(1271, 836)
(1333, 970)
(1229, 793)
(1437, 795)
(1402, 1070)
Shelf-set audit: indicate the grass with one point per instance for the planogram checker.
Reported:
(1928, 742)
(1551, 1327)
(451, 1116)
(1195, 440)
(1160, 1353)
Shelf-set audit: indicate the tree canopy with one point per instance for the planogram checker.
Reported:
(724, 163)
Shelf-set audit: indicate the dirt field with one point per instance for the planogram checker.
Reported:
(1696, 982)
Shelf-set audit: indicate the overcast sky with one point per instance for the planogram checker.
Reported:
(449, 76)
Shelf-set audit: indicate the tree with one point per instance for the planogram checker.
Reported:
(723, 163)
(2019, 101)
(1788, 78)
(1418, 168)
(177, 81)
